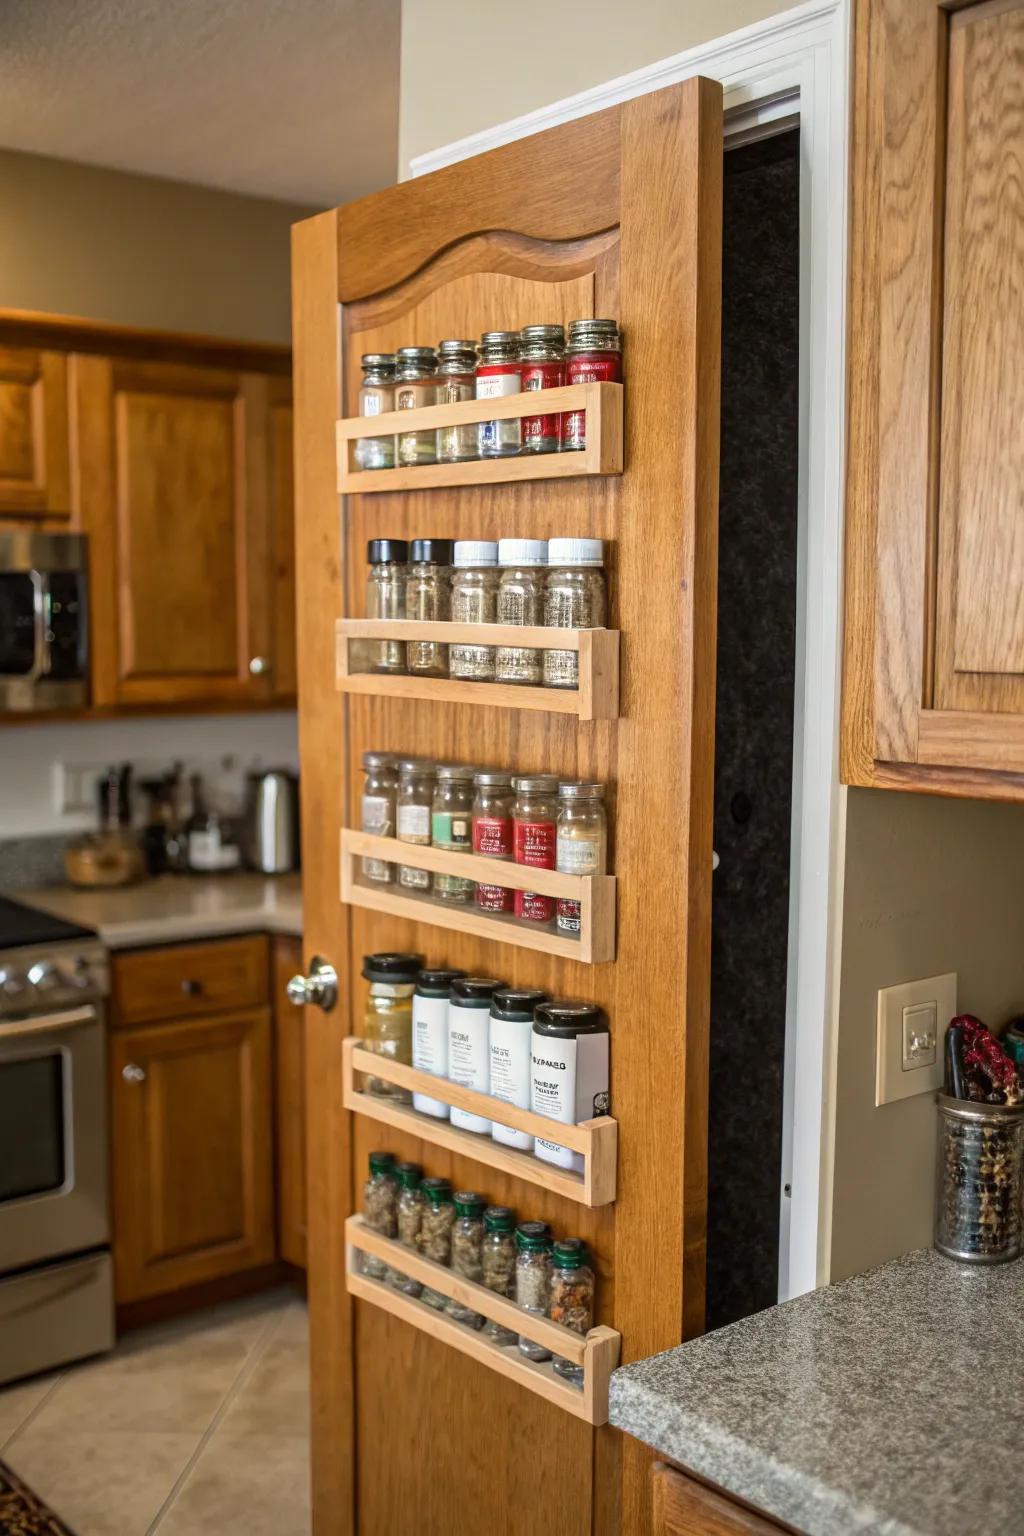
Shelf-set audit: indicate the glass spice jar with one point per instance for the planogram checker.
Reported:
(499, 373)
(572, 1299)
(543, 358)
(380, 1193)
(523, 565)
(415, 386)
(408, 1217)
(376, 397)
(498, 1262)
(574, 598)
(413, 806)
(492, 834)
(581, 843)
(428, 598)
(436, 1225)
(451, 827)
(533, 1279)
(467, 1247)
(378, 810)
(535, 817)
(387, 1019)
(385, 599)
(456, 381)
(474, 601)
(594, 354)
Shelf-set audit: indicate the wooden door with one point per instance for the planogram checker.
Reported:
(289, 1102)
(34, 474)
(192, 1152)
(618, 214)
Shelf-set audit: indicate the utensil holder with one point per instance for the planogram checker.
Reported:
(980, 1181)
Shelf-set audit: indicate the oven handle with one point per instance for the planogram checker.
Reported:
(40, 663)
(48, 1023)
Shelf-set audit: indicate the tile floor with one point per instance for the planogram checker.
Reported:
(197, 1427)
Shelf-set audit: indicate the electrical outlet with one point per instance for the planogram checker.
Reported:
(911, 1034)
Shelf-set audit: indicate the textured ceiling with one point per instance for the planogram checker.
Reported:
(293, 99)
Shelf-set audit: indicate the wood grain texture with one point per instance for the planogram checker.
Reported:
(70, 333)
(685, 1507)
(289, 1101)
(184, 980)
(284, 678)
(34, 449)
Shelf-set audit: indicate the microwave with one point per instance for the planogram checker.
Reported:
(44, 662)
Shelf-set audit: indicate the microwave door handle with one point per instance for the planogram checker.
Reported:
(40, 662)
(47, 1023)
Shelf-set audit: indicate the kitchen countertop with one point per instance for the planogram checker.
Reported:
(885, 1403)
(178, 907)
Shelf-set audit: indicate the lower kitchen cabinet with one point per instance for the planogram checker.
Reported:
(289, 1102)
(683, 1507)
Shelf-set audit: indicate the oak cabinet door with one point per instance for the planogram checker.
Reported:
(34, 476)
(289, 1103)
(282, 518)
(192, 1152)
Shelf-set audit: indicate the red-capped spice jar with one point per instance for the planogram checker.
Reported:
(535, 816)
(499, 372)
(543, 358)
(593, 354)
(492, 834)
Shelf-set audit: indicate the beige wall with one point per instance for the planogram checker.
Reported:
(137, 250)
(467, 66)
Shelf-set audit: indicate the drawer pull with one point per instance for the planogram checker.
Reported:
(191, 987)
(133, 1074)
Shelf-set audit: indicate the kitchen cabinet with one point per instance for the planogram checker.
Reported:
(34, 459)
(684, 1507)
(934, 633)
(289, 1102)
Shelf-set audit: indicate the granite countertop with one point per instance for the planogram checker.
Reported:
(887, 1403)
(178, 907)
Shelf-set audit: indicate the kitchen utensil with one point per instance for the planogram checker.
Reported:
(271, 824)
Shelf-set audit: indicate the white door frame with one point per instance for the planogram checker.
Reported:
(792, 67)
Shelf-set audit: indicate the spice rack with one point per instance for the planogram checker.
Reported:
(595, 894)
(597, 1351)
(596, 698)
(602, 455)
(595, 1140)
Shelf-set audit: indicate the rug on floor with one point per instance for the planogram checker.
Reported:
(23, 1513)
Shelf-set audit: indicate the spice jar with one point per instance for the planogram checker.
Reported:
(533, 1279)
(535, 816)
(474, 601)
(380, 1193)
(451, 827)
(594, 354)
(521, 602)
(413, 806)
(572, 1298)
(376, 397)
(456, 380)
(469, 1062)
(385, 599)
(378, 810)
(574, 598)
(543, 358)
(467, 1247)
(581, 844)
(430, 1034)
(569, 1071)
(492, 834)
(498, 373)
(510, 1036)
(436, 1225)
(498, 1261)
(387, 1020)
(408, 1218)
(416, 386)
(428, 598)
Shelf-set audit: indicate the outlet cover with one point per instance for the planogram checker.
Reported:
(912, 1023)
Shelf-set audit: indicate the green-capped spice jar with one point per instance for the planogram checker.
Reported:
(436, 1225)
(533, 1279)
(380, 1194)
(498, 1261)
(409, 1218)
(467, 1245)
(572, 1298)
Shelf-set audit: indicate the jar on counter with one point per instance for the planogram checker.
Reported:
(535, 818)
(474, 601)
(415, 387)
(593, 354)
(543, 358)
(376, 398)
(499, 373)
(436, 1225)
(451, 827)
(510, 1036)
(469, 1060)
(428, 598)
(572, 1299)
(456, 381)
(387, 1020)
(385, 599)
(581, 844)
(574, 598)
(569, 1071)
(498, 1261)
(533, 1279)
(523, 565)
(413, 806)
(380, 1211)
(378, 810)
(430, 1034)
(467, 1248)
(408, 1216)
(492, 834)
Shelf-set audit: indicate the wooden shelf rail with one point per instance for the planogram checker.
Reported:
(597, 1351)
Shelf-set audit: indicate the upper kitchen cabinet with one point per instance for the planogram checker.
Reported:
(934, 647)
(35, 479)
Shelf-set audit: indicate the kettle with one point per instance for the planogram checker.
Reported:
(270, 835)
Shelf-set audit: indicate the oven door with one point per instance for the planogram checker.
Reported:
(53, 1137)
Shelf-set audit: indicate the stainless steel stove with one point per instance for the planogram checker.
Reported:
(56, 1277)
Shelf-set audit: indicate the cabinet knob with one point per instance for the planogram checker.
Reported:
(133, 1074)
(191, 988)
(320, 987)
(259, 665)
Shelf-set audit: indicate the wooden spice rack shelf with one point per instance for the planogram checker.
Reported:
(595, 1140)
(597, 1351)
(602, 455)
(595, 894)
(596, 698)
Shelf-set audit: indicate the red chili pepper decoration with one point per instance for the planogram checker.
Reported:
(983, 1055)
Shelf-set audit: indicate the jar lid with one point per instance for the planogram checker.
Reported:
(396, 967)
(499, 1218)
(522, 551)
(535, 333)
(437, 1191)
(500, 339)
(573, 552)
(542, 784)
(411, 767)
(409, 1175)
(377, 362)
(461, 771)
(382, 1162)
(474, 991)
(533, 1234)
(436, 983)
(566, 1019)
(469, 1204)
(580, 791)
(372, 760)
(416, 355)
(569, 1253)
(453, 348)
(604, 334)
(469, 552)
(432, 551)
(487, 776)
(387, 551)
(516, 1003)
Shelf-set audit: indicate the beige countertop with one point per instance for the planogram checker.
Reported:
(178, 907)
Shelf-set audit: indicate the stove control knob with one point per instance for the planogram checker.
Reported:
(78, 974)
(43, 976)
(12, 985)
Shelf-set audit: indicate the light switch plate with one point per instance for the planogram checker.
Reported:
(911, 1034)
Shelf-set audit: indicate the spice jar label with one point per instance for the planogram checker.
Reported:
(494, 898)
(377, 815)
(492, 836)
(535, 844)
(414, 822)
(580, 855)
(450, 829)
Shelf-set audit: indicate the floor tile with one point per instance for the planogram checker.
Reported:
(17, 1402)
(102, 1484)
(274, 1397)
(293, 1324)
(249, 1485)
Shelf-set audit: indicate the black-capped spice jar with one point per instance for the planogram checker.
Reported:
(543, 359)
(430, 1034)
(511, 1039)
(385, 599)
(569, 1071)
(387, 1020)
(593, 355)
(469, 1058)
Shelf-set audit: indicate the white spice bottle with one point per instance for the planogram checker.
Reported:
(511, 1033)
(469, 1064)
(430, 1034)
(569, 1071)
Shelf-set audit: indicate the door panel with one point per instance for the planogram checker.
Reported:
(34, 472)
(289, 1102)
(282, 516)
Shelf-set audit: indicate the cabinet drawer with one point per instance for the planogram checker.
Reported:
(188, 979)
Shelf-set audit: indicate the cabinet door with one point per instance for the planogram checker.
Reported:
(684, 1507)
(289, 1104)
(34, 476)
(282, 516)
(192, 1140)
